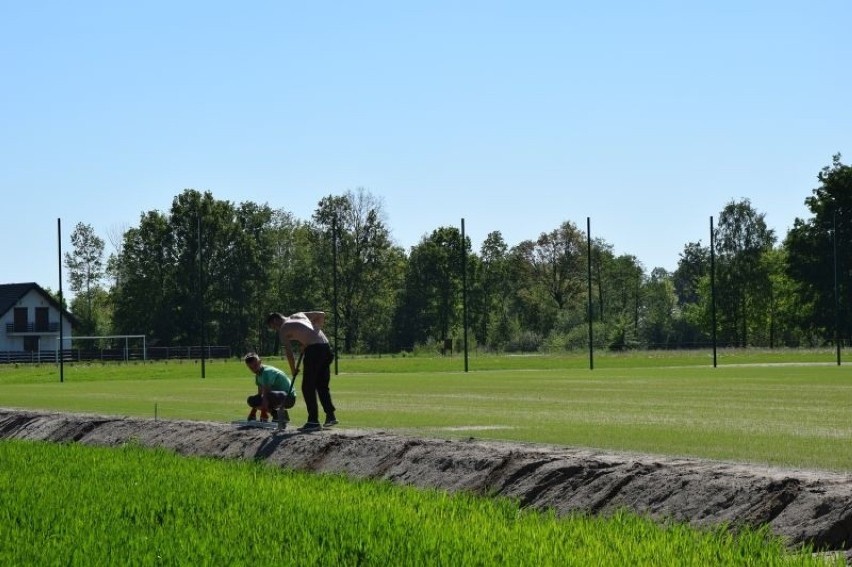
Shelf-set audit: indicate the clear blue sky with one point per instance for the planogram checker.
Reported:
(648, 117)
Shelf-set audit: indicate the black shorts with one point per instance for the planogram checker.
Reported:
(277, 399)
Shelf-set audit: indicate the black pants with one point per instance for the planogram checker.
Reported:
(316, 378)
(275, 401)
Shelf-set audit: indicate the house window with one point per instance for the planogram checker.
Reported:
(31, 344)
(21, 319)
(42, 324)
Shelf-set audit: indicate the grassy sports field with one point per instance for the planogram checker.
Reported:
(785, 408)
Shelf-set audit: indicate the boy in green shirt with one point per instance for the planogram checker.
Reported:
(273, 388)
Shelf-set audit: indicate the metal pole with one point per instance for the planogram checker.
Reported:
(713, 289)
(61, 308)
(334, 287)
(836, 294)
(589, 278)
(201, 295)
(464, 292)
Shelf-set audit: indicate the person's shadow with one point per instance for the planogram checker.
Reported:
(271, 443)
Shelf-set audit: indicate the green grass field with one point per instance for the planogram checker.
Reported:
(135, 506)
(785, 408)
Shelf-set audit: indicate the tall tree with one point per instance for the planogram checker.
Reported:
(368, 267)
(221, 253)
(244, 272)
(692, 265)
(431, 298)
(780, 326)
(602, 257)
(811, 260)
(618, 283)
(85, 270)
(196, 221)
(551, 274)
(496, 289)
(200, 270)
(557, 262)
(623, 279)
(691, 280)
(144, 288)
(742, 238)
(659, 311)
(293, 278)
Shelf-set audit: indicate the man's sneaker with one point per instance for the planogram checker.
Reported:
(329, 422)
(311, 426)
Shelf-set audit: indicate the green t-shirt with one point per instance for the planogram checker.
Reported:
(273, 378)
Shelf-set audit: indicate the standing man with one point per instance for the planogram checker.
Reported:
(273, 386)
(305, 328)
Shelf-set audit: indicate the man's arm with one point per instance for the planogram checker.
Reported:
(285, 336)
(264, 400)
(263, 390)
(288, 350)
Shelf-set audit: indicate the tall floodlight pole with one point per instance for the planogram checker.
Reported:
(836, 293)
(61, 309)
(464, 292)
(334, 286)
(589, 279)
(201, 295)
(713, 289)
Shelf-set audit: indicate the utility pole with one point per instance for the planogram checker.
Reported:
(201, 295)
(61, 308)
(589, 279)
(713, 288)
(464, 292)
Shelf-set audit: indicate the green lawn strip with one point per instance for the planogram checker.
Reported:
(402, 364)
(780, 415)
(80, 505)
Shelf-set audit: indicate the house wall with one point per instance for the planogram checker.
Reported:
(47, 340)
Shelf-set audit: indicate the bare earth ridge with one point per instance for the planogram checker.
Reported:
(801, 506)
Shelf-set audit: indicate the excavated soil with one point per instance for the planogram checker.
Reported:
(801, 506)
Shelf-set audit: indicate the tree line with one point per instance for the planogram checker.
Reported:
(210, 270)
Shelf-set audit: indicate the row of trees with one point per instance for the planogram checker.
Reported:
(215, 267)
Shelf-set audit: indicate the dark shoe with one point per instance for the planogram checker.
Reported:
(251, 417)
(264, 420)
(311, 426)
(274, 414)
(329, 421)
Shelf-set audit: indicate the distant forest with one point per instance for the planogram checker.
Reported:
(221, 267)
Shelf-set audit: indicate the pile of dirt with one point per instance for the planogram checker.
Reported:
(801, 506)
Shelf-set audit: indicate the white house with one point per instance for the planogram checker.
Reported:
(30, 319)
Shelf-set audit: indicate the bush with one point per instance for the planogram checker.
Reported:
(525, 341)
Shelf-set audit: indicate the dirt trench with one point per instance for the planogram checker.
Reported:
(799, 505)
